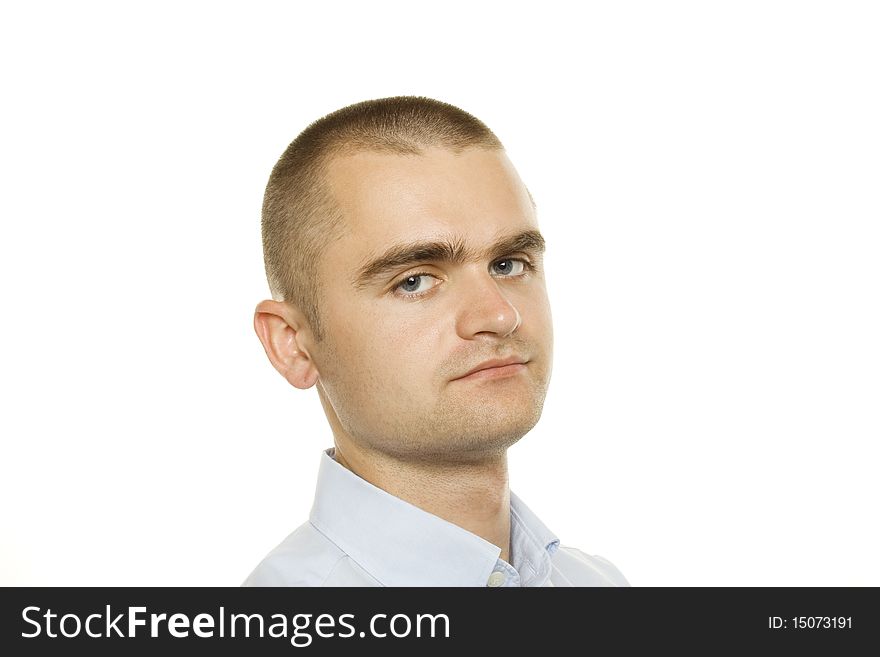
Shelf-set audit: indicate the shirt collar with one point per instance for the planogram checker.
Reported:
(400, 544)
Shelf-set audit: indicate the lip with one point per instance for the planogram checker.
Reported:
(495, 368)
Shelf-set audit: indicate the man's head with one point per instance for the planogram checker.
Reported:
(402, 251)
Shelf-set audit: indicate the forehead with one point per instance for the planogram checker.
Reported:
(476, 194)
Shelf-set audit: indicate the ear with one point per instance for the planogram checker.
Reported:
(279, 327)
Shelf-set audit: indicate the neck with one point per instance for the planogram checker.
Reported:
(473, 495)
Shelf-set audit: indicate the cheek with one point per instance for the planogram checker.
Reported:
(538, 330)
(547, 321)
(408, 349)
(536, 307)
(374, 349)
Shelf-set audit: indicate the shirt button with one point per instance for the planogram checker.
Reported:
(496, 579)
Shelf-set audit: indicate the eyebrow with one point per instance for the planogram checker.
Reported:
(452, 250)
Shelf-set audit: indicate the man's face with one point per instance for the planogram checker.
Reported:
(390, 364)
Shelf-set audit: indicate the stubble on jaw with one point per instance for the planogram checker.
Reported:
(458, 431)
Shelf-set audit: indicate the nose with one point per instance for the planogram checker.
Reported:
(486, 309)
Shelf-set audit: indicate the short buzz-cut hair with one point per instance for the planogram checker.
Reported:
(300, 216)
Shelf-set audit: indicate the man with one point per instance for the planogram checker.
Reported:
(405, 264)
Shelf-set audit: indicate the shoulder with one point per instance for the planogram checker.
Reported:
(582, 569)
(305, 558)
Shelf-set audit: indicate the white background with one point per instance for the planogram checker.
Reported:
(706, 175)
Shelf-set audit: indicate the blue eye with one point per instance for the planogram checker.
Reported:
(508, 268)
(413, 279)
(510, 262)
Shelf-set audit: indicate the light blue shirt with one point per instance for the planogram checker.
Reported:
(360, 535)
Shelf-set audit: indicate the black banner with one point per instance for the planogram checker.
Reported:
(172, 621)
